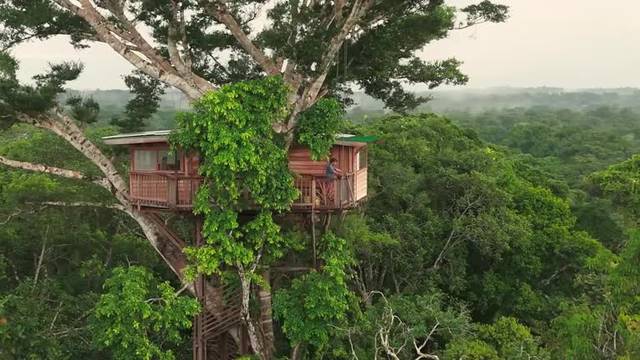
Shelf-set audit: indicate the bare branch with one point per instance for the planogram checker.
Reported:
(119, 207)
(466, 26)
(220, 11)
(132, 46)
(66, 173)
(175, 30)
(11, 216)
(419, 349)
(41, 257)
(449, 244)
(55, 317)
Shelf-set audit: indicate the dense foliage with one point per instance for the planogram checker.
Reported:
(465, 249)
(137, 315)
(55, 260)
(317, 303)
(141, 107)
(231, 129)
(319, 125)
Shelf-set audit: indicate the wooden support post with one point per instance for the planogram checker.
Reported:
(222, 347)
(313, 239)
(172, 191)
(199, 342)
(313, 193)
(337, 192)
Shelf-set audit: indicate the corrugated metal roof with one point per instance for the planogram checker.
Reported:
(163, 135)
(139, 134)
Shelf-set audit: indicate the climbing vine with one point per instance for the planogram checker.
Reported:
(318, 126)
(317, 303)
(244, 163)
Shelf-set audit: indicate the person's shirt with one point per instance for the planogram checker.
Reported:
(330, 171)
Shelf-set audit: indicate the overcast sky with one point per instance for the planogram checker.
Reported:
(560, 43)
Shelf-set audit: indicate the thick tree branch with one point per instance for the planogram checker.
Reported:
(188, 60)
(119, 207)
(132, 46)
(359, 9)
(220, 11)
(66, 128)
(315, 86)
(10, 217)
(69, 174)
(175, 27)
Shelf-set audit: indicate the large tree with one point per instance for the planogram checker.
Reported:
(320, 48)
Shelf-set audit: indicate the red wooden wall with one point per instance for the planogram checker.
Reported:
(300, 161)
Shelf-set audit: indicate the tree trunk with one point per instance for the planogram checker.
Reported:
(266, 315)
(296, 352)
(254, 336)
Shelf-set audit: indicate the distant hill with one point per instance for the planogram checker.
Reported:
(112, 102)
(477, 100)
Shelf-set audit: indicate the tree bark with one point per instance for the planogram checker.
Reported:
(70, 174)
(266, 314)
(220, 12)
(254, 337)
(296, 352)
(137, 51)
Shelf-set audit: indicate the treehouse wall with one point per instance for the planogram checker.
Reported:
(300, 161)
(161, 179)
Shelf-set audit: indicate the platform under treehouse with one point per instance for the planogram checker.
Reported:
(161, 179)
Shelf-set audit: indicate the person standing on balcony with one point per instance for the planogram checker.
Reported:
(332, 173)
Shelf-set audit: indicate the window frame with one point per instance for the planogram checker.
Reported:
(179, 156)
(361, 158)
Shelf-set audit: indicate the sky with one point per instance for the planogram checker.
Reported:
(558, 43)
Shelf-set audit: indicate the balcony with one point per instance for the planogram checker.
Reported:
(317, 193)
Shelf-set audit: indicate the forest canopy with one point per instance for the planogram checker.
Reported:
(507, 233)
(503, 252)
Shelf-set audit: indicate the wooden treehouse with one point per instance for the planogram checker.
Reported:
(159, 179)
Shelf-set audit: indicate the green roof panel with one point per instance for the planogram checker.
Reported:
(360, 138)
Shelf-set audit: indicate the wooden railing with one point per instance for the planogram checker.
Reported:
(163, 190)
(319, 192)
(316, 192)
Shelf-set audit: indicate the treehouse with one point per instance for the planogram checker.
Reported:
(163, 179)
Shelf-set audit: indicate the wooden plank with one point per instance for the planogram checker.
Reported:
(361, 184)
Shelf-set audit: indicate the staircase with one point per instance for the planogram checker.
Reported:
(212, 331)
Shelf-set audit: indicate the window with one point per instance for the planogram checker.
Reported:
(145, 160)
(361, 159)
(156, 160)
(168, 161)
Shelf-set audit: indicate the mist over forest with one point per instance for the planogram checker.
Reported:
(287, 217)
(444, 102)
